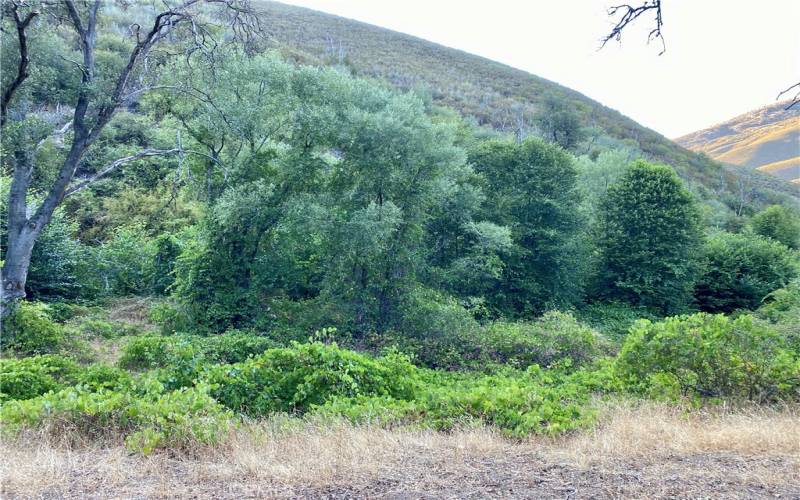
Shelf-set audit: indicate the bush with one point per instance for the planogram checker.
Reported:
(100, 376)
(517, 403)
(779, 223)
(30, 377)
(155, 419)
(742, 269)
(233, 346)
(710, 356)
(295, 378)
(613, 319)
(554, 337)
(146, 352)
(29, 330)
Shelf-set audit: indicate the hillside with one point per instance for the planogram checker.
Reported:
(767, 139)
(492, 93)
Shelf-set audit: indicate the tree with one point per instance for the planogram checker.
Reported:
(779, 223)
(103, 88)
(649, 239)
(559, 122)
(531, 189)
(740, 270)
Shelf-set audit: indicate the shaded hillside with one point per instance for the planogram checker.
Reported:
(490, 92)
(767, 139)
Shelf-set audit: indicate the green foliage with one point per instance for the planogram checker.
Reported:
(101, 376)
(553, 338)
(613, 319)
(145, 352)
(29, 330)
(27, 378)
(650, 237)
(706, 356)
(125, 263)
(180, 419)
(779, 223)
(530, 188)
(740, 270)
(517, 403)
(296, 378)
(559, 122)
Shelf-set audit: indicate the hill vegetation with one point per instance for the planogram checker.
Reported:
(767, 139)
(238, 239)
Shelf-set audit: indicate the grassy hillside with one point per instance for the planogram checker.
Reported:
(767, 139)
(492, 93)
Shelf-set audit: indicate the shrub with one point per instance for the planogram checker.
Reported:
(779, 223)
(29, 330)
(554, 337)
(233, 346)
(100, 376)
(30, 377)
(710, 356)
(740, 270)
(517, 403)
(156, 419)
(295, 378)
(613, 319)
(146, 351)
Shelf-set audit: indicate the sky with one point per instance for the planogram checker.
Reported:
(723, 57)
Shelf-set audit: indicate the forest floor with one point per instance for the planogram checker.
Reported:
(643, 450)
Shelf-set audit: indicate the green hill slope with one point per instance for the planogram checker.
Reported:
(492, 93)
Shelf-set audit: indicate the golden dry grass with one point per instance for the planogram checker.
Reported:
(288, 457)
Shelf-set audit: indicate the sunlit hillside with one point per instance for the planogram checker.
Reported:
(767, 139)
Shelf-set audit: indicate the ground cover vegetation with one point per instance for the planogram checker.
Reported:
(318, 244)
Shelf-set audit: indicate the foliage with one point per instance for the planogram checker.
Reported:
(27, 378)
(710, 356)
(740, 270)
(613, 319)
(294, 379)
(530, 188)
(145, 352)
(179, 419)
(649, 240)
(779, 223)
(29, 330)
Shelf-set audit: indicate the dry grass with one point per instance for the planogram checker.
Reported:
(754, 448)
(133, 310)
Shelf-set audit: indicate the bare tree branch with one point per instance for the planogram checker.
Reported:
(795, 99)
(629, 14)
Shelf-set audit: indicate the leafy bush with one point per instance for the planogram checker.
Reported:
(613, 319)
(146, 351)
(100, 376)
(29, 330)
(554, 337)
(30, 377)
(295, 378)
(779, 223)
(742, 269)
(518, 403)
(710, 356)
(233, 346)
(154, 419)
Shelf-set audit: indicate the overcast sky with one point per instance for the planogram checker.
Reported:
(723, 58)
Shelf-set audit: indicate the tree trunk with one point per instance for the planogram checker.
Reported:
(15, 268)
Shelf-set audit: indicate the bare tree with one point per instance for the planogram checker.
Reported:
(93, 110)
(626, 15)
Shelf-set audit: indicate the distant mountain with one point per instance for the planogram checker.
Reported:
(491, 93)
(767, 139)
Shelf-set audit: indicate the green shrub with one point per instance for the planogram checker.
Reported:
(778, 223)
(179, 419)
(100, 376)
(613, 319)
(30, 377)
(517, 403)
(295, 378)
(146, 351)
(554, 337)
(782, 309)
(710, 356)
(233, 346)
(742, 269)
(29, 330)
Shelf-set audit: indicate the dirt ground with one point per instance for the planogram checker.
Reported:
(646, 451)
